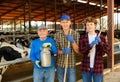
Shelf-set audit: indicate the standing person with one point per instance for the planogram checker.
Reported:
(41, 73)
(62, 38)
(92, 66)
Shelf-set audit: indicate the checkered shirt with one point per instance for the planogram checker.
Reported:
(101, 49)
(62, 43)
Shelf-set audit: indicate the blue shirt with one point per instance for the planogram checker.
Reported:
(36, 46)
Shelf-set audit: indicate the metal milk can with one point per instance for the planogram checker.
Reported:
(45, 57)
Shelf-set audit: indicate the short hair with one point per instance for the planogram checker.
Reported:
(90, 19)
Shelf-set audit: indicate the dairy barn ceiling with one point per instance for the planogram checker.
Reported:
(51, 10)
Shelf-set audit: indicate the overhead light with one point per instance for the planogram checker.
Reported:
(118, 9)
(115, 8)
(81, 1)
(106, 6)
(92, 3)
(98, 5)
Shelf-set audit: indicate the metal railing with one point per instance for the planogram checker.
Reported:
(27, 59)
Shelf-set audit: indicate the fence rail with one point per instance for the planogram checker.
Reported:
(28, 59)
(19, 60)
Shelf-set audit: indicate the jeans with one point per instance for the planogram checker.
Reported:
(87, 76)
(71, 74)
(44, 75)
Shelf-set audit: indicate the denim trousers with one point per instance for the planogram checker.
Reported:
(44, 75)
(91, 77)
(71, 74)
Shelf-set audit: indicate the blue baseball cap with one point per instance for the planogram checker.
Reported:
(65, 17)
(41, 27)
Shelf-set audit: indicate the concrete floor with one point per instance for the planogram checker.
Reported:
(24, 71)
(113, 76)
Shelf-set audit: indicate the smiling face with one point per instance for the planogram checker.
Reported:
(90, 24)
(65, 24)
(90, 27)
(42, 33)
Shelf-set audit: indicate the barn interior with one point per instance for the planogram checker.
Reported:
(19, 19)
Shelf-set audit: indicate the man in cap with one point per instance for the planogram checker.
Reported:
(41, 73)
(62, 38)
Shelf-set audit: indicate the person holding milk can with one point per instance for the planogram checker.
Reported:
(42, 54)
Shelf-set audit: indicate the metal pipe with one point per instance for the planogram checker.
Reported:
(45, 12)
(117, 15)
(24, 17)
(20, 26)
(88, 8)
(55, 14)
(29, 3)
(74, 17)
(101, 13)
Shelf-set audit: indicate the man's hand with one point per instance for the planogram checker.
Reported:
(70, 38)
(38, 63)
(66, 51)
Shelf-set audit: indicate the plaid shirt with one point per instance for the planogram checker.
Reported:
(101, 49)
(62, 43)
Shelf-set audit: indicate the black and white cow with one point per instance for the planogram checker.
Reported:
(23, 42)
(10, 52)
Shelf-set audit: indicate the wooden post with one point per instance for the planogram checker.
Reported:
(55, 5)
(110, 11)
(45, 5)
(29, 4)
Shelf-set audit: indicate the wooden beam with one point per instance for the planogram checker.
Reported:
(1, 1)
(110, 11)
(12, 9)
(31, 12)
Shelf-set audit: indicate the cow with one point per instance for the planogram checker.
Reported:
(10, 52)
(22, 43)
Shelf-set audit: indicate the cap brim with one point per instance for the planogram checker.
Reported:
(42, 29)
(65, 19)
